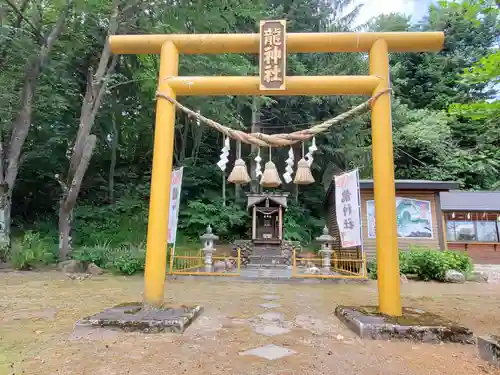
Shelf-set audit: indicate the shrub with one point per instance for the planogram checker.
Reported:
(124, 221)
(300, 225)
(430, 264)
(99, 254)
(127, 259)
(427, 264)
(371, 267)
(4, 252)
(31, 251)
(228, 221)
(459, 261)
(124, 258)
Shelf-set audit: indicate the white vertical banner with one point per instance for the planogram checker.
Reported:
(175, 201)
(347, 207)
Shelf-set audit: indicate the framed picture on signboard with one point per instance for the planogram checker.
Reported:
(413, 218)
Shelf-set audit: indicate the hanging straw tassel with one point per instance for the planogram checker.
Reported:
(303, 176)
(270, 177)
(239, 174)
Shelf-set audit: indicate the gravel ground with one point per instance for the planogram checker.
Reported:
(38, 312)
(492, 270)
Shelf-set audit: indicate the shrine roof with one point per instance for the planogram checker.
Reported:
(409, 185)
(470, 201)
(256, 198)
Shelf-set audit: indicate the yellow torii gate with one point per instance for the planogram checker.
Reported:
(378, 45)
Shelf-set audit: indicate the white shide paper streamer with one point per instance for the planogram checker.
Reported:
(311, 149)
(224, 154)
(289, 166)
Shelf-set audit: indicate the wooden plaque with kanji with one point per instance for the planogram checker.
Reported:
(272, 61)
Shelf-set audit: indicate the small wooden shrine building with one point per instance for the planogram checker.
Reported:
(267, 216)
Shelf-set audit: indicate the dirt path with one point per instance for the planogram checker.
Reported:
(38, 312)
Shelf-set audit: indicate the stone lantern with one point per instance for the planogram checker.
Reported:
(326, 251)
(208, 247)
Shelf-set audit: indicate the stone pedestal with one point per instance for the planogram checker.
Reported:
(208, 259)
(489, 349)
(208, 247)
(134, 317)
(326, 251)
(327, 259)
(414, 325)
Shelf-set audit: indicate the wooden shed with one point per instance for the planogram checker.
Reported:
(473, 224)
(418, 210)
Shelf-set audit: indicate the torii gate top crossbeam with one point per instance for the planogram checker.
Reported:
(295, 42)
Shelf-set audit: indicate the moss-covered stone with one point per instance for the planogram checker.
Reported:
(413, 325)
(489, 349)
(134, 317)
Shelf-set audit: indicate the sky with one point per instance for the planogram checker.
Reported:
(414, 8)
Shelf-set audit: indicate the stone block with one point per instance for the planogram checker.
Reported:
(71, 266)
(453, 276)
(271, 297)
(478, 277)
(270, 330)
(489, 349)
(94, 269)
(272, 316)
(269, 352)
(134, 317)
(269, 305)
(414, 325)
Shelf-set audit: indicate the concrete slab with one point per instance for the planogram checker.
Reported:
(271, 297)
(272, 316)
(133, 317)
(269, 305)
(414, 325)
(269, 352)
(270, 330)
(489, 349)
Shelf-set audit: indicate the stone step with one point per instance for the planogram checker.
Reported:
(266, 266)
(266, 251)
(272, 273)
(267, 259)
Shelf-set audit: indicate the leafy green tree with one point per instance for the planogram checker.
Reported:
(33, 28)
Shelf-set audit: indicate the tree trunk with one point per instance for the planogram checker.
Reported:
(112, 165)
(65, 221)
(254, 185)
(21, 125)
(197, 135)
(69, 197)
(5, 207)
(5, 203)
(184, 143)
(85, 142)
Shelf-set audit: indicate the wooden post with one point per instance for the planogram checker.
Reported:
(156, 251)
(280, 228)
(254, 223)
(445, 231)
(389, 295)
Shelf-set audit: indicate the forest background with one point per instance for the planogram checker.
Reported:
(77, 123)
